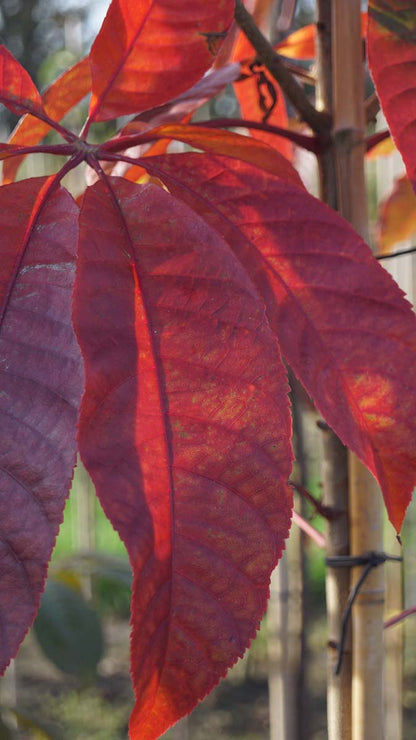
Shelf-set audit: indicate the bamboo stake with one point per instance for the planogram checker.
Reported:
(84, 519)
(335, 458)
(365, 500)
(277, 651)
(393, 641)
(366, 534)
(284, 644)
(337, 585)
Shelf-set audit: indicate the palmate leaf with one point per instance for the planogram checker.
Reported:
(391, 42)
(150, 51)
(40, 388)
(342, 323)
(62, 95)
(185, 430)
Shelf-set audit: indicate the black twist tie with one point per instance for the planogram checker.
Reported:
(370, 560)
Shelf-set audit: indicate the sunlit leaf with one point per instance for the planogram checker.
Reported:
(185, 417)
(300, 44)
(342, 323)
(17, 90)
(397, 216)
(382, 149)
(147, 53)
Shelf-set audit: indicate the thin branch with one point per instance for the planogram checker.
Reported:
(324, 511)
(43, 116)
(21, 151)
(319, 122)
(375, 139)
(399, 617)
(372, 107)
(399, 253)
(311, 143)
(313, 533)
(302, 74)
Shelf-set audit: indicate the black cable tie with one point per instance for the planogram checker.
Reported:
(370, 560)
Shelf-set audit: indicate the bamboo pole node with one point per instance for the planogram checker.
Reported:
(371, 559)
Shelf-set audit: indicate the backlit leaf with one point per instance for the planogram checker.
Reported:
(342, 323)
(392, 60)
(17, 90)
(397, 217)
(300, 44)
(148, 52)
(185, 431)
(382, 149)
(40, 387)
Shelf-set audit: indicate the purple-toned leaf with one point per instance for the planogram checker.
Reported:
(40, 388)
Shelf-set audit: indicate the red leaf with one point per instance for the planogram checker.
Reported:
(17, 90)
(40, 392)
(65, 92)
(342, 323)
(392, 60)
(147, 53)
(186, 432)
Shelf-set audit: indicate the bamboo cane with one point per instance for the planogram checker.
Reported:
(335, 458)
(393, 641)
(365, 500)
